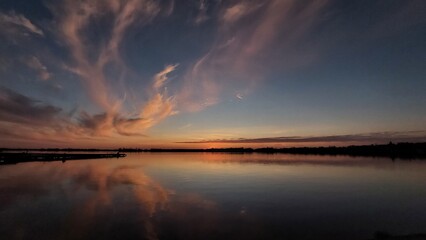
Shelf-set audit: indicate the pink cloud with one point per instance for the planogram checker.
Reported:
(74, 17)
(250, 36)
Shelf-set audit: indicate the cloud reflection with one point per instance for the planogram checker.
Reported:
(95, 198)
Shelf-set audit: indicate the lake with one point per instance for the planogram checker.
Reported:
(213, 196)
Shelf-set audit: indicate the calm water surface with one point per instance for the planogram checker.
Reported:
(213, 196)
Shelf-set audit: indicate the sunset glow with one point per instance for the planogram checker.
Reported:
(211, 74)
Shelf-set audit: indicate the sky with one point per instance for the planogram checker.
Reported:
(211, 73)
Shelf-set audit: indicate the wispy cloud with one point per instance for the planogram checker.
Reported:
(202, 12)
(35, 64)
(13, 19)
(22, 117)
(161, 77)
(247, 42)
(238, 11)
(231, 64)
(169, 8)
(249, 37)
(91, 65)
(376, 137)
(159, 106)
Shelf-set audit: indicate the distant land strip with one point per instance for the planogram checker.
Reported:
(391, 150)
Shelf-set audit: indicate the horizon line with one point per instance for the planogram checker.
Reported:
(213, 148)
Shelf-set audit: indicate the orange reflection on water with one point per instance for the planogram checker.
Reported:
(194, 195)
(146, 196)
(99, 191)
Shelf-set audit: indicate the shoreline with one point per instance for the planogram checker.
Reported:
(399, 150)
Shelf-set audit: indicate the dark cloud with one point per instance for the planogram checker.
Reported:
(92, 121)
(26, 113)
(17, 108)
(25, 117)
(376, 137)
(104, 124)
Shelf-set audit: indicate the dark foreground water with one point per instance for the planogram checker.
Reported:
(213, 196)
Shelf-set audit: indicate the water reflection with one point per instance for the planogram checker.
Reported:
(212, 196)
(91, 199)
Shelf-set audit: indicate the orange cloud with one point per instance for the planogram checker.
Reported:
(75, 17)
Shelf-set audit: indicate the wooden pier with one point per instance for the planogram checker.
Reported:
(13, 158)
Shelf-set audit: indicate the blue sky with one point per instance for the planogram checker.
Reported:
(198, 73)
